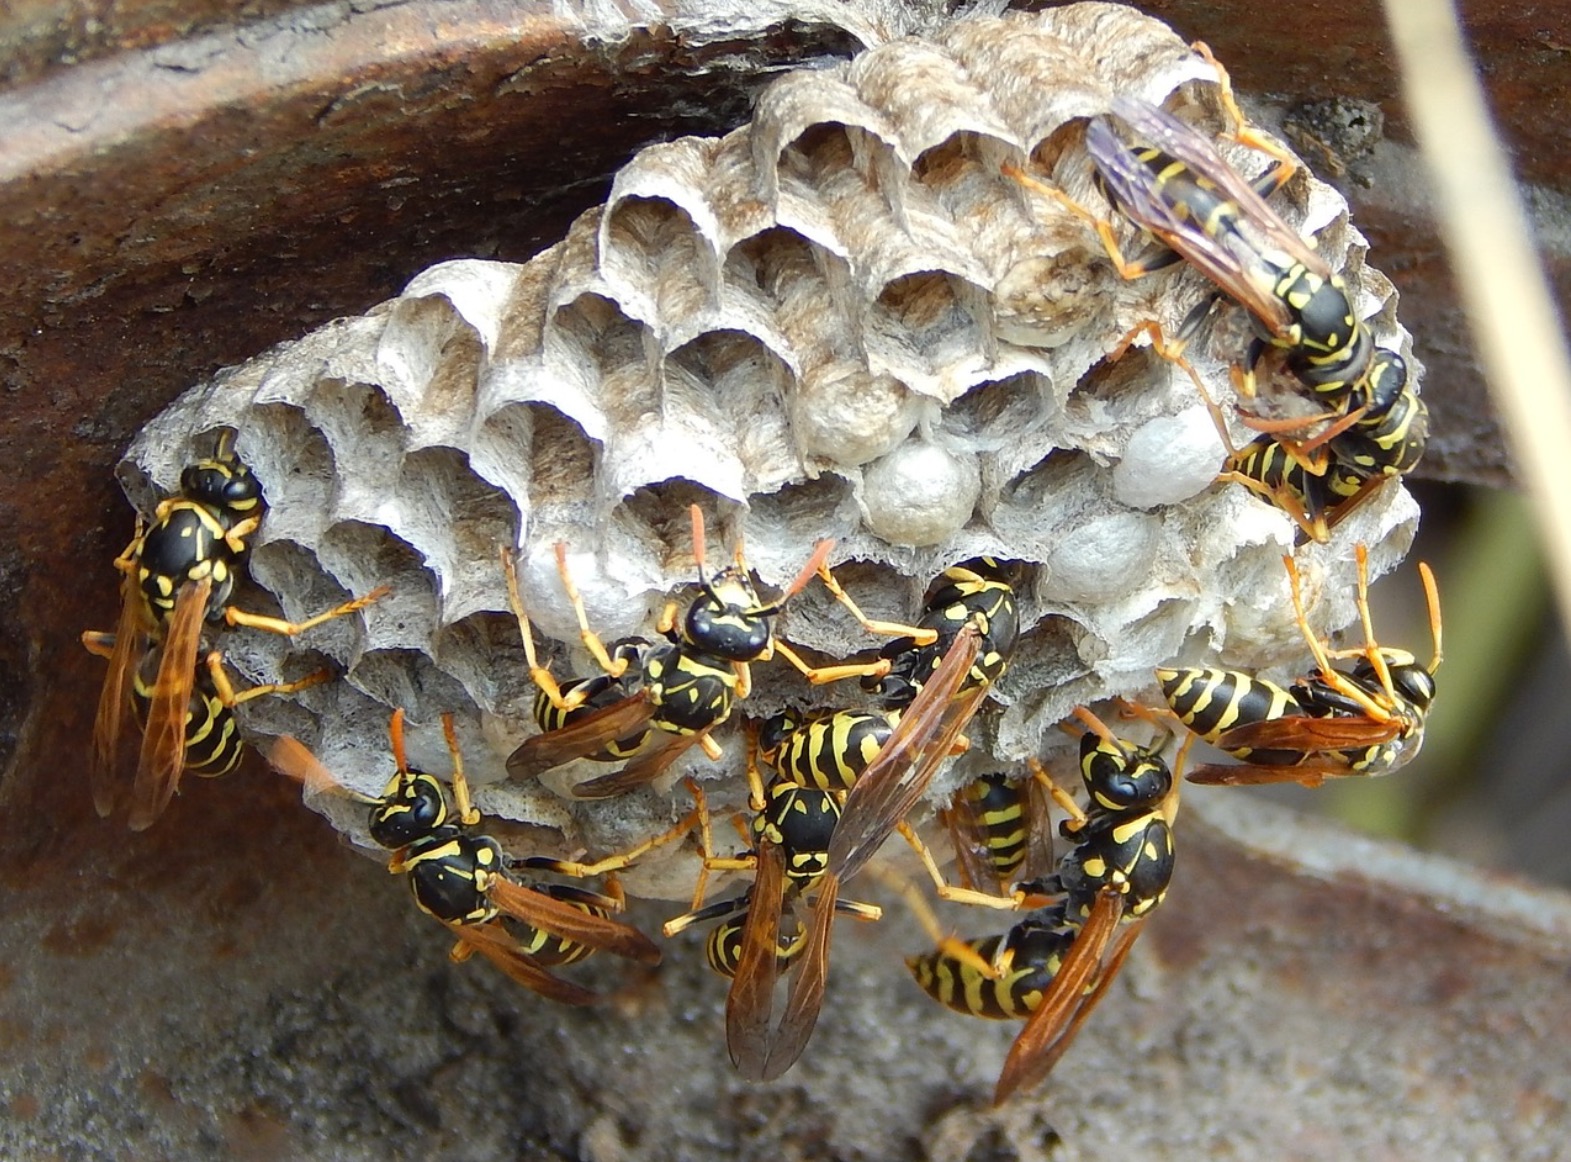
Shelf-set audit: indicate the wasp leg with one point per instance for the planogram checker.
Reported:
(619, 861)
(294, 628)
(1066, 801)
(918, 635)
(1127, 269)
(1332, 677)
(540, 675)
(958, 895)
(947, 943)
(230, 697)
(1243, 132)
(821, 675)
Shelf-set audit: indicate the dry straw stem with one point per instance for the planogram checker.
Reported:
(1500, 280)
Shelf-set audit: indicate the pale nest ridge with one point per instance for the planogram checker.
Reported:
(840, 320)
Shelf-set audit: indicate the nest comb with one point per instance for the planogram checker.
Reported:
(840, 320)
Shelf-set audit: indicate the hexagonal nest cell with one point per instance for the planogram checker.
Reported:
(842, 320)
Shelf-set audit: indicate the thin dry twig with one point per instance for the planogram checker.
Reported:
(1500, 280)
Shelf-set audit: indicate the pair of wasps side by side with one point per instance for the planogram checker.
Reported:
(178, 577)
(1172, 183)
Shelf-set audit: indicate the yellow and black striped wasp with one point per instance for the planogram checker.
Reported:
(460, 878)
(179, 575)
(665, 697)
(1053, 967)
(1383, 435)
(1329, 724)
(790, 840)
(1174, 184)
(213, 745)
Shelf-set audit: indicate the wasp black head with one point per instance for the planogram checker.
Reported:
(225, 485)
(727, 620)
(1119, 777)
(1412, 682)
(1384, 384)
(413, 807)
(774, 732)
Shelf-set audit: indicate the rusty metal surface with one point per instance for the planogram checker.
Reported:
(231, 983)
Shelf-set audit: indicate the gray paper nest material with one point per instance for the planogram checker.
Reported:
(840, 320)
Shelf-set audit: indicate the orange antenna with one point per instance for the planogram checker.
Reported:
(395, 730)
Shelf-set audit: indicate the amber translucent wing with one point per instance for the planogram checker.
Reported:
(645, 768)
(970, 843)
(291, 758)
(1114, 961)
(1132, 186)
(493, 942)
(749, 1006)
(896, 779)
(114, 700)
(1181, 140)
(163, 738)
(564, 920)
(1031, 1056)
(1310, 734)
(1310, 773)
(806, 998)
(584, 737)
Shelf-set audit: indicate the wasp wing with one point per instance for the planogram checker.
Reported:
(579, 739)
(162, 758)
(806, 998)
(493, 942)
(894, 782)
(1037, 1047)
(1043, 1065)
(1311, 735)
(571, 923)
(114, 700)
(645, 768)
(1131, 185)
(749, 1006)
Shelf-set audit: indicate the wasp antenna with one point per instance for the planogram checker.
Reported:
(395, 731)
(700, 549)
(1432, 599)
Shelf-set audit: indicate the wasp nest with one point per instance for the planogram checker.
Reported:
(840, 321)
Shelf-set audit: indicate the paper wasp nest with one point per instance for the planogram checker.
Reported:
(841, 320)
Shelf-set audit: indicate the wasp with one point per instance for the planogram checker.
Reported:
(212, 742)
(1329, 724)
(997, 827)
(1053, 967)
(179, 574)
(461, 879)
(1174, 184)
(977, 593)
(790, 842)
(682, 687)
(972, 612)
